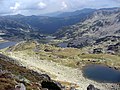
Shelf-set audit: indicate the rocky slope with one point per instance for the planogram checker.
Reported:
(22, 27)
(100, 30)
(13, 76)
(62, 64)
(14, 30)
(10, 28)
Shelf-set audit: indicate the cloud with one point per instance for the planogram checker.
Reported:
(15, 7)
(38, 7)
(64, 5)
(42, 5)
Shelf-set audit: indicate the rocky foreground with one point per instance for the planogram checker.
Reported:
(16, 77)
(62, 65)
(73, 77)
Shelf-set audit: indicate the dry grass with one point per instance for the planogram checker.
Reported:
(65, 56)
(8, 83)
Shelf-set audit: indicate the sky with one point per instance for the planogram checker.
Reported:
(37, 7)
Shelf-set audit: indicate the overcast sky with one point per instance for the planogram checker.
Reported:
(37, 7)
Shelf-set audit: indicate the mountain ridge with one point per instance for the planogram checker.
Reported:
(39, 23)
(102, 23)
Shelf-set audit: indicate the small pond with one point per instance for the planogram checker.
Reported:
(6, 44)
(62, 45)
(101, 73)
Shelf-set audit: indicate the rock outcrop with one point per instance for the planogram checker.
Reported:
(91, 87)
(100, 30)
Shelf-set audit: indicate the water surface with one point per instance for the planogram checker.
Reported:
(6, 44)
(62, 45)
(101, 73)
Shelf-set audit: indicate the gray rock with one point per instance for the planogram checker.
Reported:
(91, 87)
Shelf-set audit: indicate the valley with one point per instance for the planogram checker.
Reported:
(60, 47)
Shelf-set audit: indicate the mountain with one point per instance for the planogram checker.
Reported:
(100, 32)
(77, 12)
(45, 24)
(69, 14)
(7, 24)
(53, 14)
(10, 28)
(18, 26)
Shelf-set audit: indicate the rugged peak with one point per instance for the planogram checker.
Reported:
(105, 12)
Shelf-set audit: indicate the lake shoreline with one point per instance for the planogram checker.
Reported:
(6, 44)
(102, 71)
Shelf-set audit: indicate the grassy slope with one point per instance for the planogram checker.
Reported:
(66, 56)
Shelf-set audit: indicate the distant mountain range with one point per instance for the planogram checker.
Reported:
(68, 14)
(96, 29)
(100, 32)
(77, 12)
(43, 24)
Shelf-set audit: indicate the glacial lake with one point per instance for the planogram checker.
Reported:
(62, 45)
(101, 73)
(7, 44)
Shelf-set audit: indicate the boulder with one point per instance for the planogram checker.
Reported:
(91, 87)
(51, 85)
(98, 50)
